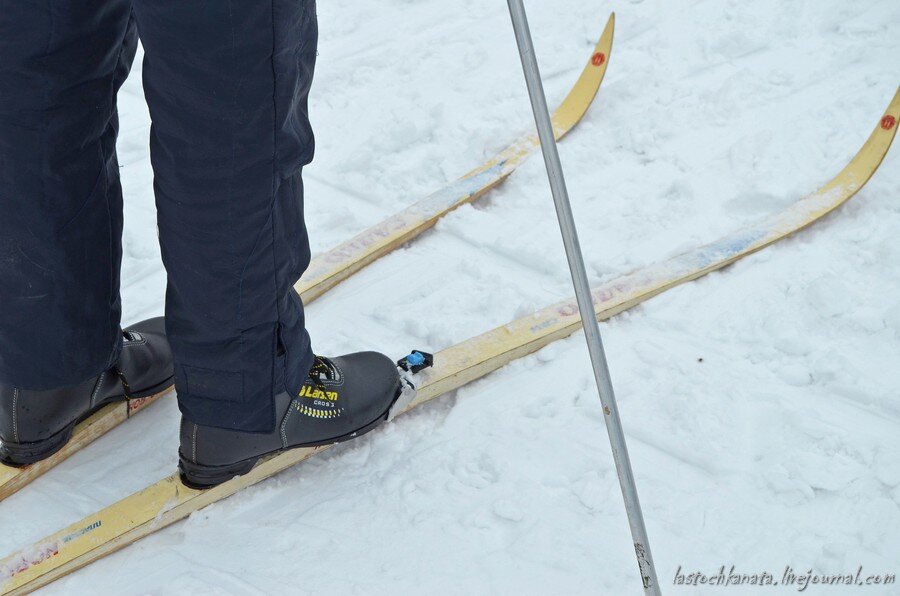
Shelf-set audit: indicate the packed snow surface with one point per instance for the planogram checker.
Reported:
(761, 403)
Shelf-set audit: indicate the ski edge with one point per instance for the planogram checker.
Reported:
(168, 501)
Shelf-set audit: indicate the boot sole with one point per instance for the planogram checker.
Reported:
(20, 455)
(203, 477)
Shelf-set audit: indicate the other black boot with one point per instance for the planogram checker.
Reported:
(343, 398)
(36, 424)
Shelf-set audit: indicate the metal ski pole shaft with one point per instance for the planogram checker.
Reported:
(583, 295)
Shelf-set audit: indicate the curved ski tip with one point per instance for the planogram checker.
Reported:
(581, 96)
(603, 45)
(894, 106)
(610, 29)
(610, 24)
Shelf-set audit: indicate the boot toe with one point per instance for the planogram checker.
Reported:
(377, 388)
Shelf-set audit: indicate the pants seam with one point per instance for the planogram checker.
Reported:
(274, 346)
(113, 328)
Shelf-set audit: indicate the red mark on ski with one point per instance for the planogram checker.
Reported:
(138, 403)
(33, 559)
(567, 310)
(598, 59)
(888, 122)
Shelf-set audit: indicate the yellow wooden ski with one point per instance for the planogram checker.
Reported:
(330, 268)
(168, 501)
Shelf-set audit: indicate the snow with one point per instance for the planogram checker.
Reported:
(761, 403)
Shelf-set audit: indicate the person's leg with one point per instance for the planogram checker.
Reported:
(227, 84)
(61, 64)
(62, 353)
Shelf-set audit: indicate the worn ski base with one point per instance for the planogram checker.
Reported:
(168, 501)
(330, 268)
(101, 422)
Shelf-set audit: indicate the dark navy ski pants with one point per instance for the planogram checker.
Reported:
(227, 84)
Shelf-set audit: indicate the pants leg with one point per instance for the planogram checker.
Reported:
(227, 84)
(61, 64)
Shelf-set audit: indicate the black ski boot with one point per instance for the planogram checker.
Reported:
(343, 398)
(36, 424)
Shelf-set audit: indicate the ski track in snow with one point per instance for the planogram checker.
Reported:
(780, 447)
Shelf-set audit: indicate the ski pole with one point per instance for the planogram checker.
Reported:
(583, 295)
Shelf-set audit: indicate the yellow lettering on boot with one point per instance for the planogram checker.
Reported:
(312, 393)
